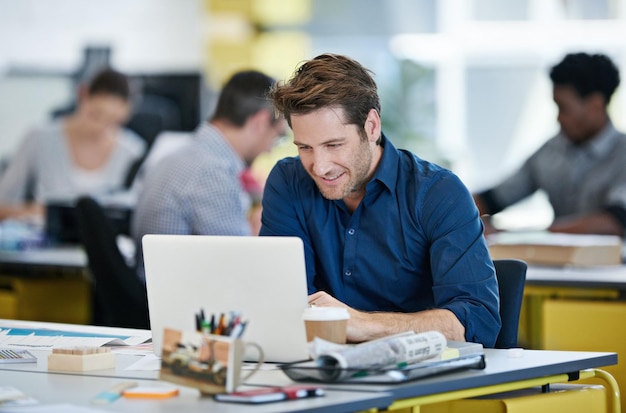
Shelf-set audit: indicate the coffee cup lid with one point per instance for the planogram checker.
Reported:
(325, 313)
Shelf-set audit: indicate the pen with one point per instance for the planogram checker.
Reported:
(213, 326)
(221, 325)
(113, 393)
(199, 322)
(231, 324)
(237, 330)
(242, 326)
(206, 327)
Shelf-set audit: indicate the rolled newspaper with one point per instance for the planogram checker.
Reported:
(393, 351)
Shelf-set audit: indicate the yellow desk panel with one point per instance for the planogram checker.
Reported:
(53, 299)
(561, 398)
(531, 327)
(587, 325)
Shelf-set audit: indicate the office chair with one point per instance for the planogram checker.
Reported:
(511, 276)
(120, 298)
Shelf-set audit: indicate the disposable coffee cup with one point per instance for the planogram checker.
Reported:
(328, 323)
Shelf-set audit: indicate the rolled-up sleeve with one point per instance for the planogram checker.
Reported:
(464, 279)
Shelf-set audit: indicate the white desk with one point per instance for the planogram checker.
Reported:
(585, 277)
(503, 373)
(500, 369)
(76, 390)
(533, 369)
(122, 361)
(64, 257)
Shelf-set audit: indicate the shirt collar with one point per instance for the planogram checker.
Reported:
(603, 143)
(387, 171)
(220, 146)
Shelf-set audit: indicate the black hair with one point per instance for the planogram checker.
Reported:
(242, 96)
(109, 81)
(587, 74)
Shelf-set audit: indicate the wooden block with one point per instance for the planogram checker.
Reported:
(81, 359)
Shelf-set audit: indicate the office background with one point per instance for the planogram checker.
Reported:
(463, 83)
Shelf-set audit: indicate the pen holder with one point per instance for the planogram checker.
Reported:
(210, 363)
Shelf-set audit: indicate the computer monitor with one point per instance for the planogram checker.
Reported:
(175, 95)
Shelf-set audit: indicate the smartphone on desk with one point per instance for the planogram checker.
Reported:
(272, 394)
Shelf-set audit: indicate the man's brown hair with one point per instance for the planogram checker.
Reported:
(328, 80)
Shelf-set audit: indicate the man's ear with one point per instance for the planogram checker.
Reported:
(373, 125)
(260, 119)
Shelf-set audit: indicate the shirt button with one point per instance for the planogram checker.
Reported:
(348, 273)
(351, 231)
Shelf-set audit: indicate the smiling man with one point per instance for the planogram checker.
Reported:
(582, 168)
(395, 239)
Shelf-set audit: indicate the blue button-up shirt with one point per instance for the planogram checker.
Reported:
(415, 242)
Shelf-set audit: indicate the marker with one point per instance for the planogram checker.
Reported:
(199, 323)
(243, 327)
(221, 325)
(206, 327)
(232, 322)
(113, 393)
(213, 325)
(236, 330)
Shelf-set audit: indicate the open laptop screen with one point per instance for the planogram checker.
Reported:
(263, 278)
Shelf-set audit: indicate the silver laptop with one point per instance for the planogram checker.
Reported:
(263, 278)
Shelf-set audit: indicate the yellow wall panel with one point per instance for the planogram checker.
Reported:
(281, 12)
(278, 53)
(225, 59)
(243, 7)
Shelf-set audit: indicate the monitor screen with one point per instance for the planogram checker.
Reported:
(166, 102)
(179, 93)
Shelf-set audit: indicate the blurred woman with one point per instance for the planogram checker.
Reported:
(85, 153)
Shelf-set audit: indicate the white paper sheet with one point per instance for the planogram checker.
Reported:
(31, 334)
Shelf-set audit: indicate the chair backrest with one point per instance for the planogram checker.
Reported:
(120, 298)
(511, 276)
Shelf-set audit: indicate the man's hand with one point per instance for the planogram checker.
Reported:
(365, 326)
(356, 323)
